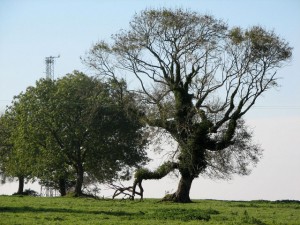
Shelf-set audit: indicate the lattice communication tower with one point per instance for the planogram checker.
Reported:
(50, 66)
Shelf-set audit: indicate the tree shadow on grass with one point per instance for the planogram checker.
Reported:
(184, 214)
(158, 214)
(26, 209)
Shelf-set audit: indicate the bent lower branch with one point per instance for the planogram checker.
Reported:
(145, 174)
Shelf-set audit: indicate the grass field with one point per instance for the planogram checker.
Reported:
(67, 210)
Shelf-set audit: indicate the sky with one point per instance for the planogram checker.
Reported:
(31, 30)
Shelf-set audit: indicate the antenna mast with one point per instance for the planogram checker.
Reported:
(50, 66)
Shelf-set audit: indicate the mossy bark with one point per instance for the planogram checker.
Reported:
(145, 174)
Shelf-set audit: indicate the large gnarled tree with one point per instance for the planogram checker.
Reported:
(198, 78)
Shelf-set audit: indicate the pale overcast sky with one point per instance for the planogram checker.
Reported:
(31, 30)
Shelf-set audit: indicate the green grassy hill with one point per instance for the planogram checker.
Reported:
(65, 210)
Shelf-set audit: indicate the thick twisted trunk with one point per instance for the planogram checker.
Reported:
(183, 191)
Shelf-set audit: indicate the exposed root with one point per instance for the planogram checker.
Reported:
(174, 198)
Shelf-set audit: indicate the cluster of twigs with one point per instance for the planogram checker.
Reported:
(127, 192)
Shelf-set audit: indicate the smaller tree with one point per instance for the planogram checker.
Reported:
(81, 127)
(15, 160)
(5, 146)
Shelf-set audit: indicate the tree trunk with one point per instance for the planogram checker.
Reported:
(21, 185)
(62, 187)
(183, 191)
(79, 180)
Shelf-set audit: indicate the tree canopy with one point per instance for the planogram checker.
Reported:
(198, 78)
